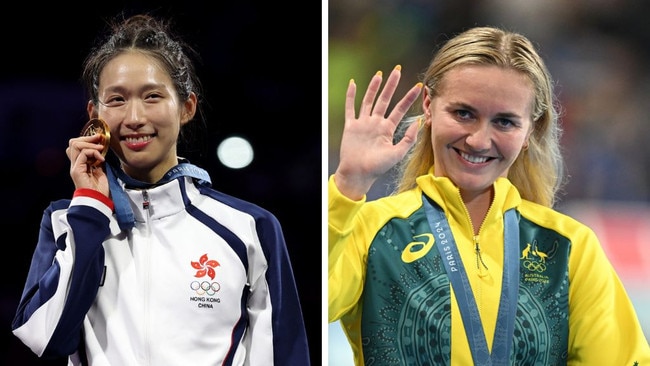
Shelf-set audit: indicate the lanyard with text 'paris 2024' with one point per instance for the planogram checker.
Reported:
(503, 333)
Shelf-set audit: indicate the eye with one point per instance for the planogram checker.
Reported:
(463, 114)
(153, 96)
(114, 101)
(504, 123)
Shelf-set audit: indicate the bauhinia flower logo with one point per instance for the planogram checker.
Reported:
(205, 267)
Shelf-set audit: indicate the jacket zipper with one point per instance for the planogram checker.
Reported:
(146, 205)
(477, 247)
(479, 258)
(145, 202)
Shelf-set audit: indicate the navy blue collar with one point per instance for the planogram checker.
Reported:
(123, 211)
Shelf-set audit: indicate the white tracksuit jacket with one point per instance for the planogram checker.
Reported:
(202, 279)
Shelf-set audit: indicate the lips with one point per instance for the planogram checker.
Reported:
(137, 142)
(137, 139)
(474, 159)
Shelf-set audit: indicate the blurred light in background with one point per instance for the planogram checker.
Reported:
(235, 152)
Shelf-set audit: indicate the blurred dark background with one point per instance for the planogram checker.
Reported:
(261, 72)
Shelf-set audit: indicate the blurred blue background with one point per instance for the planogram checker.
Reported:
(256, 87)
(598, 54)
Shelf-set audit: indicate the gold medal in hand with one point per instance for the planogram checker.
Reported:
(97, 126)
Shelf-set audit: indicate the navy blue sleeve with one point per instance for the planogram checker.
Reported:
(290, 342)
(87, 228)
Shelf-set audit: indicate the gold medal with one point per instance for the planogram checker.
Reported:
(98, 126)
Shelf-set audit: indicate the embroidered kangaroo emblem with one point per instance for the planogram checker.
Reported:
(542, 256)
(525, 252)
(533, 249)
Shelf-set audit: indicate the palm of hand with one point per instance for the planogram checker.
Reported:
(367, 148)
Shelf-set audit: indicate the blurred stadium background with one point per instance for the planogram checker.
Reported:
(598, 54)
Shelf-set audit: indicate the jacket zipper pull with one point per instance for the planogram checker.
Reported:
(479, 258)
(145, 203)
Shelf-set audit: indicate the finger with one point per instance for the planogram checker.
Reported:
(349, 100)
(404, 104)
(96, 159)
(82, 154)
(387, 93)
(96, 138)
(410, 135)
(73, 149)
(78, 144)
(370, 95)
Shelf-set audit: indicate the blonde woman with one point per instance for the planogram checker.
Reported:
(467, 263)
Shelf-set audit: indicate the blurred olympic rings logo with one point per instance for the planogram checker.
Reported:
(534, 266)
(205, 287)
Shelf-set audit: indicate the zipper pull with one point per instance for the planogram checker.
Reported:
(479, 258)
(145, 197)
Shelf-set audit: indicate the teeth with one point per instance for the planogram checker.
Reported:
(138, 139)
(473, 159)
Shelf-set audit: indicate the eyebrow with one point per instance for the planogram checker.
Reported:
(463, 105)
(148, 86)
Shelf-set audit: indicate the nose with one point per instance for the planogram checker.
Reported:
(134, 114)
(479, 137)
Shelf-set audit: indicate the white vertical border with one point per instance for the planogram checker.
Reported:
(324, 167)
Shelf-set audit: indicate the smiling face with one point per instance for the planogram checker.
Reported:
(480, 120)
(138, 101)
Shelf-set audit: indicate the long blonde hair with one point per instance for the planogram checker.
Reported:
(538, 171)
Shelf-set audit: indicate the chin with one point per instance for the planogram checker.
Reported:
(474, 185)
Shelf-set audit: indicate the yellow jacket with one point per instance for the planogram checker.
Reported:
(572, 308)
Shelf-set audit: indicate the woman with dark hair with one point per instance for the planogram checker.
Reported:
(147, 264)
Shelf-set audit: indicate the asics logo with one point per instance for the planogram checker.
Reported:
(417, 249)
